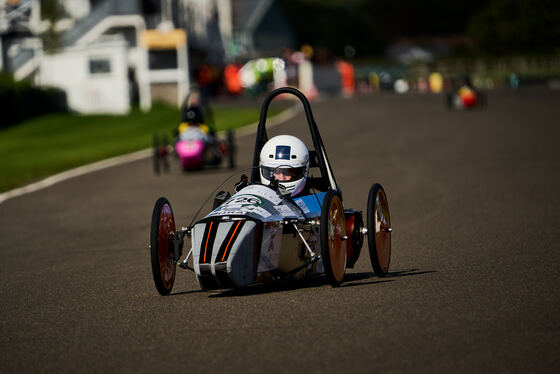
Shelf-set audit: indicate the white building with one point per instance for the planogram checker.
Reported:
(94, 76)
(150, 34)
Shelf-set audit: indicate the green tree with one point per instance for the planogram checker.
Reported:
(517, 26)
(334, 24)
(371, 25)
(52, 11)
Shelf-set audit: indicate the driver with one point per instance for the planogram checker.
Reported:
(192, 116)
(286, 159)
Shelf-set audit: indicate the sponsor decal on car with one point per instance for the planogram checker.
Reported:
(262, 191)
(284, 210)
(302, 205)
(243, 201)
(240, 210)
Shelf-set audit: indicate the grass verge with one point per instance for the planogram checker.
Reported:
(46, 145)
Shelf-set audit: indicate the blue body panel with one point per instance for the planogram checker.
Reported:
(311, 204)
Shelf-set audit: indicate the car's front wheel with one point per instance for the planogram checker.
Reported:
(161, 246)
(379, 230)
(333, 238)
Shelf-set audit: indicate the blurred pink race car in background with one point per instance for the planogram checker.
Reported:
(195, 147)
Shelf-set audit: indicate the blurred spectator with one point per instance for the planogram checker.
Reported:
(422, 85)
(374, 81)
(346, 71)
(208, 78)
(436, 82)
(514, 81)
(232, 79)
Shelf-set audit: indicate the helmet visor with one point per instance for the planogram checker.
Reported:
(283, 173)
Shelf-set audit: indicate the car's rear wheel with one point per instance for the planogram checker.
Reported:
(379, 230)
(354, 226)
(333, 238)
(161, 246)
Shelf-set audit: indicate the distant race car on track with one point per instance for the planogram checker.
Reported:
(464, 96)
(196, 145)
(274, 227)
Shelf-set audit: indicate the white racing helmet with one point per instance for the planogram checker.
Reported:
(285, 158)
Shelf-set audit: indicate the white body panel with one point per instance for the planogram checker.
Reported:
(247, 239)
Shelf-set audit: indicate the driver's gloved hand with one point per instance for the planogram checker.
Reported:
(244, 182)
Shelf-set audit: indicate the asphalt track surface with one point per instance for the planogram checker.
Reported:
(473, 285)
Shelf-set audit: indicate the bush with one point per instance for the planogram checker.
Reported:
(21, 100)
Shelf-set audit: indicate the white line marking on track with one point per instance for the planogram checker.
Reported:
(57, 178)
(135, 156)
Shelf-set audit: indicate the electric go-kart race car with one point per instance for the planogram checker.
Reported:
(464, 96)
(259, 235)
(195, 146)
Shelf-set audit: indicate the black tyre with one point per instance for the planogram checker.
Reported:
(379, 230)
(333, 238)
(161, 246)
(231, 149)
(354, 225)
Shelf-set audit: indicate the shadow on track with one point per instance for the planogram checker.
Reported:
(350, 280)
(407, 273)
(186, 292)
(353, 279)
(279, 286)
